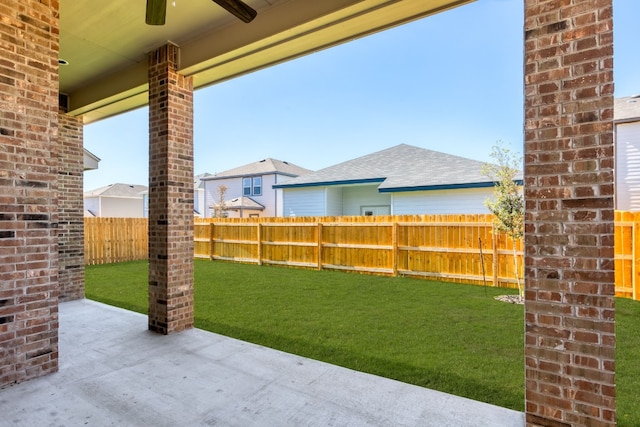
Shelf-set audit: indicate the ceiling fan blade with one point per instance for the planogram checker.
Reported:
(156, 12)
(239, 9)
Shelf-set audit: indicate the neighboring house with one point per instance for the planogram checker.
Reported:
(90, 163)
(115, 201)
(627, 142)
(199, 207)
(198, 197)
(399, 180)
(249, 188)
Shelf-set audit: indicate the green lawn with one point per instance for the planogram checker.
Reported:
(448, 337)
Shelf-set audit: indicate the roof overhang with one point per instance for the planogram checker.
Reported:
(459, 186)
(381, 189)
(626, 110)
(343, 183)
(106, 44)
(91, 161)
(240, 203)
(626, 121)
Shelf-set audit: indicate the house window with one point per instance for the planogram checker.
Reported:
(257, 186)
(246, 186)
(252, 186)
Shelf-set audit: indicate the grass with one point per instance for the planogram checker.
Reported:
(444, 336)
(628, 362)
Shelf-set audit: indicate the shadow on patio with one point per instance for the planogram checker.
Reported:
(114, 372)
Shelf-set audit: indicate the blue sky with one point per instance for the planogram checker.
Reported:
(451, 82)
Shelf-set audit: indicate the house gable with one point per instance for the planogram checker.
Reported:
(400, 168)
(116, 201)
(270, 172)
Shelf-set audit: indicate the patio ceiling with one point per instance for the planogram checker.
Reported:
(106, 43)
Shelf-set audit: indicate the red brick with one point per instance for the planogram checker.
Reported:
(170, 204)
(573, 195)
(30, 256)
(71, 206)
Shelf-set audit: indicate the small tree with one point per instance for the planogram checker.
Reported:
(507, 206)
(220, 207)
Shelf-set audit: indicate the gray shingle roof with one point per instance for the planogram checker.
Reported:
(627, 108)
(403, 167)
(266, 166)
(117, 190)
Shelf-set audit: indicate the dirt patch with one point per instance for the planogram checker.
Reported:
(512, 299)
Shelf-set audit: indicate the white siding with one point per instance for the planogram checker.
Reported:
(268, 197)
(334, 201)
(92, 204)
(121, 207)
(363, 195)
(628, 166)
(198, 200)
(279, 202)
(459, 201)
(304, 201)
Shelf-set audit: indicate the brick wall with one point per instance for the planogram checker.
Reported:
(28, 205)
(569, 309)
(170, 193)
(70, 208)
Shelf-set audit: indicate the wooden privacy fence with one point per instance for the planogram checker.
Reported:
(444, 247)
(108, 240)
(627, 254)
(461, 248)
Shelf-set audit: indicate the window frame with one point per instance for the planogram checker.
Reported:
(254, 186)
(246, 186)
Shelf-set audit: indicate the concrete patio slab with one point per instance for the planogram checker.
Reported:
(114, 372)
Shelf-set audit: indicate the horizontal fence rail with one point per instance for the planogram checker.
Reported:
(460, 248)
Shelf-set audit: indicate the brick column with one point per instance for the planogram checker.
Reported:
(170, 193)
(28, 205)
(569, 307)
(70, 208)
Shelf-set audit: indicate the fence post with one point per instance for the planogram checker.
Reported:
(319, 246)
(494, 242)
(394, 250)
(211, 241)
(259, 224)
(634, 259)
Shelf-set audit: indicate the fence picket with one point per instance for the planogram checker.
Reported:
(109, 240)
